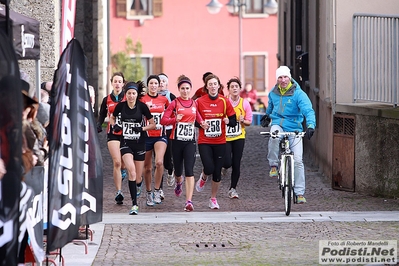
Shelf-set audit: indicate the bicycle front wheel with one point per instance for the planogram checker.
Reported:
(288, 184)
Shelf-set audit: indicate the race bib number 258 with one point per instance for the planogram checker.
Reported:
(215, 127)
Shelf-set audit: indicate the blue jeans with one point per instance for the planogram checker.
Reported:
(297, 147)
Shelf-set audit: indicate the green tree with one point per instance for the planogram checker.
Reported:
(131, 68)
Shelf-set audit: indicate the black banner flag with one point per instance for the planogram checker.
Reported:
(35, 180)
(10, 151)
(75, 162)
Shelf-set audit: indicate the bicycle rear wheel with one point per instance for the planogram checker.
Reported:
(288, 185)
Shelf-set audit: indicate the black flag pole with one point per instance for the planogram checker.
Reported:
(8, 24)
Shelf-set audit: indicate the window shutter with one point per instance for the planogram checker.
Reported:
(248, 70)
(157, 8)
(121, 8)
(157, 65)
(260, 73)
(254, 71)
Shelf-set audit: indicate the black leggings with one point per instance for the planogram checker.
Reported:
(167, 158)
(184, 152)
(212, 157)
(234, 151)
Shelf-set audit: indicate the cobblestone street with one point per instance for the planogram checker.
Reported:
(231, 243)
(257, 191)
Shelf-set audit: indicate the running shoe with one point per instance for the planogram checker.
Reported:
(150, 199)
(300, 199)
(134, 210)
(138, 189)
(170, 180)
(179, 188)
(273, 171)
(157, 197)
(233, 193)
(119, 197)
(162, 194)
(189, 207)
(213, 203)
(199, 185)
(124, 174)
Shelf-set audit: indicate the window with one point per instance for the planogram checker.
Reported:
(151, 65)
(157, 65)
(138, 9)
(254, 6)
(255, 71)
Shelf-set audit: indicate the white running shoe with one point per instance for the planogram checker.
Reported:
(213, 203)
(170, 180)
(200, 184)
(162, 194)
(150, 199)
(157, 197)
(233, 193)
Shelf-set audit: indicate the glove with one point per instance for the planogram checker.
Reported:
(265, 120)
(309, 132)
(99, 128)
(116, 128)
(137, 129)
(158, 126)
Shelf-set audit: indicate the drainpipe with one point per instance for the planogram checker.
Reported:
(333, 61)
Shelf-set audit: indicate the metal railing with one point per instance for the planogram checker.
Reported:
(375, 58)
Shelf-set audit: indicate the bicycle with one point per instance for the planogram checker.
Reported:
(286, 178)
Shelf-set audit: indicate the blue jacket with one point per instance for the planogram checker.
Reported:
(288, 110)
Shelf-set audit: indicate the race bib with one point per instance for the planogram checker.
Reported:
(184, 131)
(233, 131)
(128, 132)
(157, 119)
(215, 128)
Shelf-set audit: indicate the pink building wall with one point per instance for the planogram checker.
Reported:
(193, 41)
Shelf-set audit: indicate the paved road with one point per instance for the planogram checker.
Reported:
(258, 192)
(252, 230)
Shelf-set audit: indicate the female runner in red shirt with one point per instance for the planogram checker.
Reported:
(182, 114)
(216, 112)
(113, 139)
(156, 140)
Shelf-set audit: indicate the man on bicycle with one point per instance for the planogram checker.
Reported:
(287, 106)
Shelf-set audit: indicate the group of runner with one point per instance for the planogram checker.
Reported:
(149, 126)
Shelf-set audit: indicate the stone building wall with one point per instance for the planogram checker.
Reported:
(377, 141)
(48, 14)
(89, 23)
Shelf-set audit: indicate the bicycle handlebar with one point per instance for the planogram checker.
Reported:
(276, 134)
